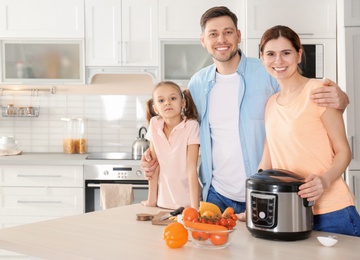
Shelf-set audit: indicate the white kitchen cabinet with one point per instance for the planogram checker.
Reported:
(41, 19)
(352, 11)
(181, 19)
(354, 184)
(352, 75)
(31, 193)
(121, 32)
(309, 18)
(40, 191)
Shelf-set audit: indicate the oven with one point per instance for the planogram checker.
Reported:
(117, 168)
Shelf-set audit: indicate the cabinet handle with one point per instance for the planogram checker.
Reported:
(38, 176)
(352, 147)
(305, 34)
(95, 185)
(119, 49)
(124, 53)
(40, 201)
(354, 185)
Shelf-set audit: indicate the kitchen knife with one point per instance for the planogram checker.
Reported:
(172, 213)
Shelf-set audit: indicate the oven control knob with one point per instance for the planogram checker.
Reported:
(106, 173)
(139, 173)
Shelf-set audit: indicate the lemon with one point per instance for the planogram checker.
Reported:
(207, 206)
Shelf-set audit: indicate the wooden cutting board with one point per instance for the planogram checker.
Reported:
(156, 219)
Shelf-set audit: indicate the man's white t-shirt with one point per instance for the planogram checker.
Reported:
(228, 167)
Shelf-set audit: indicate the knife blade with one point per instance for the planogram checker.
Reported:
(172, 213)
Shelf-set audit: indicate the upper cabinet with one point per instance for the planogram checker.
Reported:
(181, 19)
(42, 61)
(352, 11)
(121, 32)
(309, 18)
(41, 19)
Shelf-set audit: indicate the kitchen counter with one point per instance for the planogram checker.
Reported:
(55, 159)
(116, 234)
(44, 159)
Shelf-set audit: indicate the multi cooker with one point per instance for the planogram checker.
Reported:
(274, 210)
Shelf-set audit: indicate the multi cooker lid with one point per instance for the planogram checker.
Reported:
(275, 180)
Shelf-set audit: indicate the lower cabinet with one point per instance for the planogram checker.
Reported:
(32, 193)
(354, 184)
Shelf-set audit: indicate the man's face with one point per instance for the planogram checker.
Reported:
(221, 38)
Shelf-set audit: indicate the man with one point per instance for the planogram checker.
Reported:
(230, 96)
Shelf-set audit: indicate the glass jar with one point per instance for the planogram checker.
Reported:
(80, 140)
(74, 136)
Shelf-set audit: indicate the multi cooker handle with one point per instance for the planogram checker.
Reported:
(307, 203)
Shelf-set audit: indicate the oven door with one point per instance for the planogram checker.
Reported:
(92, 192)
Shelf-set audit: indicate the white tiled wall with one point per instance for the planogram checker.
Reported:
(112, 121)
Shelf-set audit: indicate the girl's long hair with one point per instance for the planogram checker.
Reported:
(189, 111)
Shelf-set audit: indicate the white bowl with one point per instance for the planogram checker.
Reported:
(8, 147)
(327, 241)
(7, 140)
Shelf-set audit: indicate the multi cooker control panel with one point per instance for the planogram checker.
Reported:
(263, 209)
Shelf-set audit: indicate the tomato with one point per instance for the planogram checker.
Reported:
(231, 222)
(219, 240)
(228, 212)
(175, 235)
(201, 236)
(234, 217)
(223, 222)
(189, 214)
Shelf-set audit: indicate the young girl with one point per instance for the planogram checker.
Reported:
(174, 140)
(305, 138)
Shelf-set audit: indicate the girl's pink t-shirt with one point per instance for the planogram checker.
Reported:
(298, 142)
(173, 186)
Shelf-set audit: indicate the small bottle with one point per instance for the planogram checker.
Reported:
(10, 110)
(20, 111)
(20, 70)
(29, 111)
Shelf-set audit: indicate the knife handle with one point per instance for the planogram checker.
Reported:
(177, 211)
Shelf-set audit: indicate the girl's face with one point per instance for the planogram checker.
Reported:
(280, 58)
(168, 101)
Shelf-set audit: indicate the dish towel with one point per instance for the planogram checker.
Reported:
(115, 195)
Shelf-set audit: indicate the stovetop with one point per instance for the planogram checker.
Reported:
(109, 156)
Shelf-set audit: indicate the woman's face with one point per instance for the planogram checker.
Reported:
(280, 58)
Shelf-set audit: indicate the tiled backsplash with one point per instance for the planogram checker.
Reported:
(112, 121)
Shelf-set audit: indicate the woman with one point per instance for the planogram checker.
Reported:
(305, 138)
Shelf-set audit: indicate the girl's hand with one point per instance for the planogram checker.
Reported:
(146, 203)
(313, 188)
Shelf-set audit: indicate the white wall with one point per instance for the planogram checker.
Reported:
(114, 106)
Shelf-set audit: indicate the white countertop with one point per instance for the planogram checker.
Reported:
(44, 159)
(116, 234)
(56, 159)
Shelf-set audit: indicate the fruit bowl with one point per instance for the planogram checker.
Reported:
(211, 239)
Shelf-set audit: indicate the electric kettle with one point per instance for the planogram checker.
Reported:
(140, 145)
